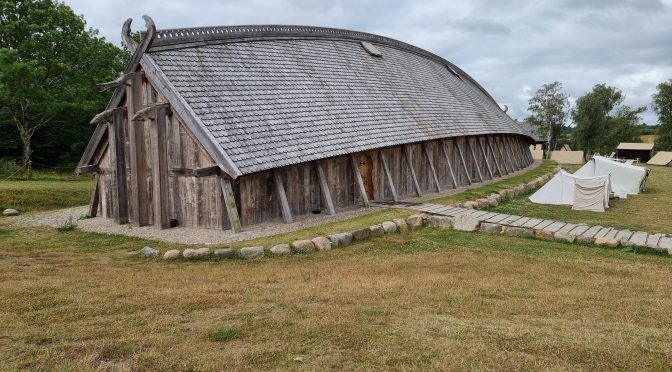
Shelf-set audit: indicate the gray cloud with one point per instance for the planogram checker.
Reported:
(511, 47)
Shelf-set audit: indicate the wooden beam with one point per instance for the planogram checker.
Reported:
(409, 160)
(485, 156)
(115, 133)
(103, 117)
(93, 168)
(514, 153)
(280, 191)
(497, 140)
(388, 176)
(138, 183)
(160, 197)
(428, 155)
(473, 156)
(213, 170)
(358, 179)
(442, 143)
(230, 204)
(324, 186)
(121, 80)
(464, 163)
(95, 197)
(149, 112)
(488, 143)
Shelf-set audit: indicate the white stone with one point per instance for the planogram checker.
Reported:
(401, 224)
(389, 227)
(465, 222)
(195, 253)
(10, 212)
(376, 231)
(441, 222)
(303, 246)
(322, 243)
(341, 239)
(149, 252)
(171, 254)
(281, 249)
(415, 221)
(252, 253)
(224, 252)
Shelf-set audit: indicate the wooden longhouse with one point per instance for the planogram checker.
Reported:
(227, 127)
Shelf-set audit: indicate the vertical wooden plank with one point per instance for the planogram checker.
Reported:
(160, 170)
(514, 153)
(473, 157)
(358, 179)
(115, 132)
(485, 157)
(324, 186)
(488, 142)
(496, 140)
(95, 197)
(230, 204)
(464, 163)
(442, 143)
(409, 160)
(507, 150)
(388, 175)
(280, 190)
(430, 161)
(138, 180)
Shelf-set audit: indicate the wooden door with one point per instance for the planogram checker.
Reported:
(365, 165)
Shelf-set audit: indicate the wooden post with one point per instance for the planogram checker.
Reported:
(138, 182)
(485, 156)
(425, 148)
(473, 156)
(160, 170)
(230, 204)
(388, 176)
(280, 190)
(505, 159)
(409, 160)
(115, 137)
(514, 153)
(358, 180)
(324, 186)
(464, 163)
(442, 143)
(488, 142)
(95, 197)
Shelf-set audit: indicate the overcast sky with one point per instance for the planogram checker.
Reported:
(510, 47)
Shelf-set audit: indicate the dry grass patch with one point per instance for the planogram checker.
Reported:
(425, 300)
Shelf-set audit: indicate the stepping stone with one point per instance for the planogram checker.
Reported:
(520, 222)
(554, 227)
(510, 220)
(652, 241)
(543, 224)
(533, 222)
(638, 239)
(611, 234)
(603, 232)
(666, 243)
(479, 214)
(623, 235)
(497, 218)
(489, 215)
(589, 235)
(442, 210)
(579, 229)
(564, 233)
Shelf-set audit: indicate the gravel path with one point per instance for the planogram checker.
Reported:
(185, 235)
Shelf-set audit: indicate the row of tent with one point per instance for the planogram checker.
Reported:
(590, 187)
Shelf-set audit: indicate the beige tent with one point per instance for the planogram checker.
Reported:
(661, 158)
(537, 152)
(566, 147)
(568, 157)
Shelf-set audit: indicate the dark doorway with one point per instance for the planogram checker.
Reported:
(365, 165)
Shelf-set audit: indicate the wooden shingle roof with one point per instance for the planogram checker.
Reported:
(272, 96)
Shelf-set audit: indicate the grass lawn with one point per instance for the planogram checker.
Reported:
(432, 299)
(45, 192)
(484, 191)
(649, 211)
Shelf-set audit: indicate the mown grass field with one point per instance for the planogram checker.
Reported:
(430, 299)
(650, 211)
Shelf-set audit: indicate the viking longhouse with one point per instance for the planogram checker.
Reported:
(227, 127)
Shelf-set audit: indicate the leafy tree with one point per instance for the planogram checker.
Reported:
(602, 123)
(549, 108)
(662, 105)
(49, 64)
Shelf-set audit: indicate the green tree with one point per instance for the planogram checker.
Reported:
(549, 108)
(662, 105)
(602, 123)
(49, 64)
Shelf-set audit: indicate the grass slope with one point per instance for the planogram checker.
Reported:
(45, 191)
(424, 300)
(649, 211)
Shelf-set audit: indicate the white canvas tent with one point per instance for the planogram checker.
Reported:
(591, 194)
(625, 180)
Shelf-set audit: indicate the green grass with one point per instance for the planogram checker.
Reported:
(484, 191)
(34, 196)
(649, 211)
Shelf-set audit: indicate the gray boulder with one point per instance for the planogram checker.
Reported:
(322, 243)
(470, 205)
(465, 223)
(361, 234)
(376, 231)
(252, 253)
(10, 212)
(518, 231)
(401, 224)
(441, 222)
(171, 254)
(341, 239)
(225, 252)
(492, 228)
(149, 252)
(281, 249)
(415, 221)
(389, 227)
(196, 253)
(303, 246)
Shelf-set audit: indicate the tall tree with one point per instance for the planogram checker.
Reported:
(602, 123)
(662, 105)
(49, 64)
(549, 108)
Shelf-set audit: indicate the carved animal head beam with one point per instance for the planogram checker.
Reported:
(145, 42)
(105, 116)
(121, 80)
(148, 112)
